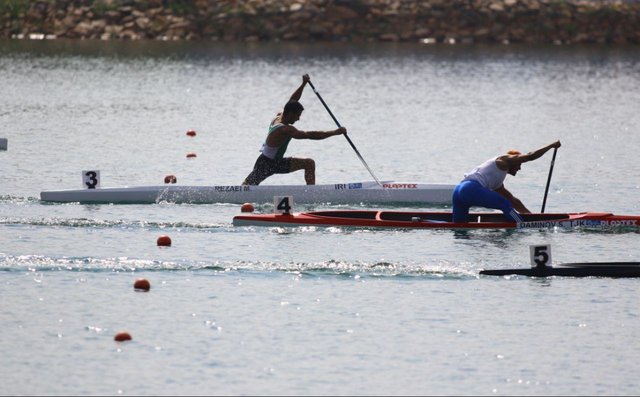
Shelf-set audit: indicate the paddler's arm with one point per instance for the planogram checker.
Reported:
(538, 153)
(316, 135)
(298, 93)
(515, 202)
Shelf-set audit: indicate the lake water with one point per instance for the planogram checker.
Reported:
(309, 311)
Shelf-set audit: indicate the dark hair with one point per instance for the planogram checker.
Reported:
(292, 107)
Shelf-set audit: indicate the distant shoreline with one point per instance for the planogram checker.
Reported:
(427, 21)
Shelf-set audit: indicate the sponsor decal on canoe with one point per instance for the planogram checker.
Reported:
(400, 185)
(343, 186)
(543, 224)
(232, 188)
(577, 223)
(621, 222)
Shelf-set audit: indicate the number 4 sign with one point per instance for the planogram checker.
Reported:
(283, 205)
(91, 179)
(540, 255)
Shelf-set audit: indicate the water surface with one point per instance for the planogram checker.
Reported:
(311, 310)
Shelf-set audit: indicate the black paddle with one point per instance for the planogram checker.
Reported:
(345, 135)
(546, 190)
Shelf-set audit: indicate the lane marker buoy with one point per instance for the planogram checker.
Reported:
(170, 179)
(164, 241)
(122, 336)
(142, 284)
(247, 207)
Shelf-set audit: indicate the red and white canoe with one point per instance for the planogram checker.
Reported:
(436, 220)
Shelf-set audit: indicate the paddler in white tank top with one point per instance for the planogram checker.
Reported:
(281, 131)
(484, 185)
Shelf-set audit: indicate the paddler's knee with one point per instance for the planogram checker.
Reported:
(306, 164)
(310, 163)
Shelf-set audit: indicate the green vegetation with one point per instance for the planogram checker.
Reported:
(13, 8)
(101, 7)
(183, 7)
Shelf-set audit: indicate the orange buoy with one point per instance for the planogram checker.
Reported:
(191, 155)
(142, 284)
(170, 179)
(247, 207)
(191, 133)
(164, 241)
(122, 336)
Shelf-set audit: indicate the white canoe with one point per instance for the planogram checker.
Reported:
(339, 193)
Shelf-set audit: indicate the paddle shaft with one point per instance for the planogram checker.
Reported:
(546, 190)
(345, 135)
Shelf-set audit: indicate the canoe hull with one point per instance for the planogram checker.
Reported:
(589, 269)
(435, 220)
(340, 193)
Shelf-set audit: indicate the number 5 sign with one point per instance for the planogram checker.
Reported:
(91, 179)
(540, 255)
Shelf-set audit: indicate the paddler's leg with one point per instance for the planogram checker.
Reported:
(460, 210)
(262, 169)
(484, 197)
(309, 167)
(254, 178)
(471, 194)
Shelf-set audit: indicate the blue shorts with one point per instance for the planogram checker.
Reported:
(472, 194)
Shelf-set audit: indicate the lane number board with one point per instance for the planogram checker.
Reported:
(91, 179)
(283, 205)
(540, 255)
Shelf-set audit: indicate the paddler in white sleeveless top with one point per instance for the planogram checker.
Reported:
(484, 185)
(281, 131)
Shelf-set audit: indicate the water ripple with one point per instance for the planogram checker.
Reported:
(40, 263)
(101, 223)
(11, 199)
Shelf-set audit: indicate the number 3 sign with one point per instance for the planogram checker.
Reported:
(91, 179)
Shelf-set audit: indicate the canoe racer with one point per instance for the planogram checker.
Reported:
(281, 131)
(484, 187)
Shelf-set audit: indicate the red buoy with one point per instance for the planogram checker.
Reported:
(122, 336)
(191, 133)
(247, 207)
(191, 155)
(170, 179)
(142, 284)
(164, 241)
